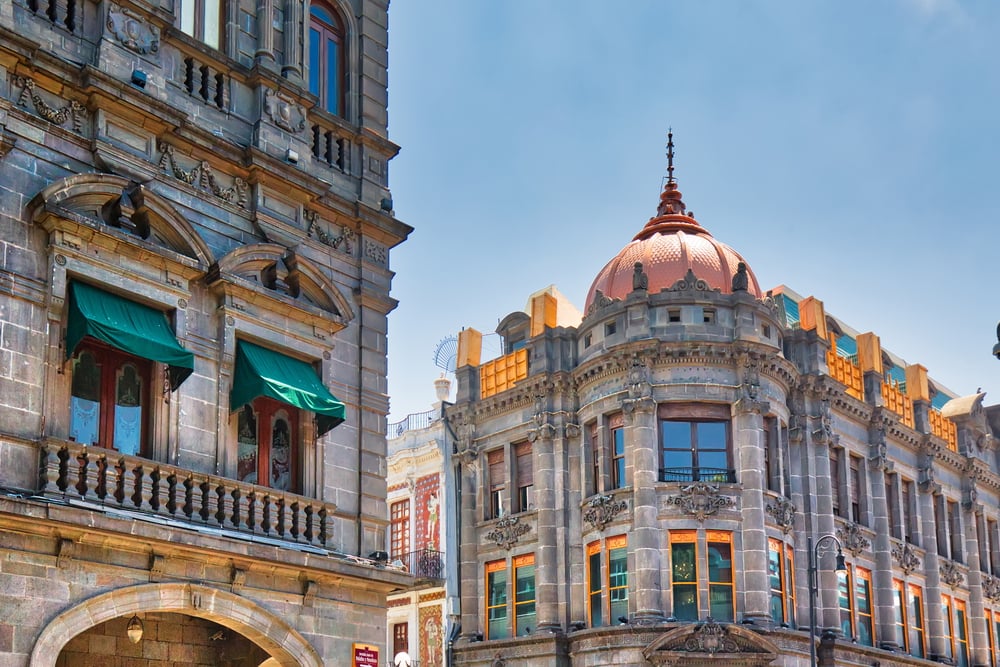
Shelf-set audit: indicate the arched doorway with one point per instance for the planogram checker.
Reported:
(203, 610)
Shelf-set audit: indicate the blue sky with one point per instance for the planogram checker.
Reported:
(846, 149)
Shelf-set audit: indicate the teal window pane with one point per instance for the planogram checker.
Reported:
(686, 602)
(721, 602)
(332, 78)
(682, 561)
(315, 44)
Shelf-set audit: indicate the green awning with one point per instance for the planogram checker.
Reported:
(263, 372)
(126, 325)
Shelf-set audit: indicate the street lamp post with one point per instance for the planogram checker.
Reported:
(814, 584)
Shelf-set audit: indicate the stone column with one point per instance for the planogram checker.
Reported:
(978, 644)
(884, 603)
(645, 539)
(932, 572)
(294, 37)
(546, 550)
(264, 55)
(469, 566)
(748, 442)
(818, 432)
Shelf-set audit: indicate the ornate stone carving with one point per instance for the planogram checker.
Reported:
(701, 499)
(342, 242)
(507, 531)
(852, 539)
(284, 112)
(691, 282)
(375, 252)
(498, 661)
(711, 637)
(991, 588)
(640, 281)
(73, 111)
(950, 574)
(783, 513)
(602, 510)
(134, 33)
(823, 432)
(202, 177)
(906, 556)
(572, 431)
(741, 281)
(601, 300)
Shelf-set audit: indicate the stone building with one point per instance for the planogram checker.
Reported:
(642, 488)
(194, 286)
(422, 536)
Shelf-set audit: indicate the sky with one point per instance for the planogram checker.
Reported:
(847, 150)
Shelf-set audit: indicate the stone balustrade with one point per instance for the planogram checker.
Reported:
(330, 143)
(106, 477)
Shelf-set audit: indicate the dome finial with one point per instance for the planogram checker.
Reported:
(670, 155)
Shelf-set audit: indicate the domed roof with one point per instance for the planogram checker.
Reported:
(671, 244)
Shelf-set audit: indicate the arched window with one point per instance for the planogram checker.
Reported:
(326, 58)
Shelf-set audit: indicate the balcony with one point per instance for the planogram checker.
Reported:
(412, 422)
(105, 479)
(710, 475)
(427, 565)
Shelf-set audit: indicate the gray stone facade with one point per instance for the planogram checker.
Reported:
(646, 563)
(194, 174)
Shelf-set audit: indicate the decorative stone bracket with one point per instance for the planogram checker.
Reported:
(134, 33)
(853, 539)
(951, 575)
(783, 513)
(602, 510)
(906, 556)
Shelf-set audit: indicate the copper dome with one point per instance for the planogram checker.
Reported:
(668, 246)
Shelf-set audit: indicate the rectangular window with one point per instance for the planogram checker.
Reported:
(695, 443)
(616, 424)
(845, 601)
(916, 622)
(994, 632)
(496, 600)
(991, 638)
(909, 512)
(899, 614)
(983, 542)
(961, 634)
(776, 576)
(524, 594)
(200, 19)
(941, 526)
(618, 578)
(955, 528)
(835, 480)
(863, 604)
(790, 584)
(524, 476)
(684, 574)
(399, 529)
(994, 534)
(949, 627)
(892, 504)
(594, 447)
(595, 590)
(856, 490)
(772, 463)
(497, 483)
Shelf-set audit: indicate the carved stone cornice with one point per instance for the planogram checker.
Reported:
(782, 511)
(951, 575)
(852, 538)
(507, 531)
(906, 555)
(602, 510)
(700, 500)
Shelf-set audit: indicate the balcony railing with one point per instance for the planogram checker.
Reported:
(711, 475)
(102, 476)
(424, 564)
(412, 422)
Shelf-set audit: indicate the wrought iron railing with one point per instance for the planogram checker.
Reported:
(424, 564)
(713, 475)
(412, 422)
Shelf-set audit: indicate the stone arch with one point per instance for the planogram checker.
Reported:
(85, 195)
(287, 647)
(250, 261)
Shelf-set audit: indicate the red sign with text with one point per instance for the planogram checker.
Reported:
(365, 655)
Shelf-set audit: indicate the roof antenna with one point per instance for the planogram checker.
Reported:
(670, 155)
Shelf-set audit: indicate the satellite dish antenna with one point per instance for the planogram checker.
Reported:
(446, 353)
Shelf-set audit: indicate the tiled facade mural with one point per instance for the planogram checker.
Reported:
(431, 637)
(428, 510)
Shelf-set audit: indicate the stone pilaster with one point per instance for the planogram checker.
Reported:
(293, 34)
(546, 551)
(932, 573)
(748, 441)
(978, 645)
(468, 539)
(645, 539)
(264, 55)
(878, 466)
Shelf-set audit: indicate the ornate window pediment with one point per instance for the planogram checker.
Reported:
(707, 642)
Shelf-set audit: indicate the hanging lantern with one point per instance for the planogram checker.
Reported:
(134, 630)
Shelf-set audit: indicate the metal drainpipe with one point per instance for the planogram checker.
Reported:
(361, 327)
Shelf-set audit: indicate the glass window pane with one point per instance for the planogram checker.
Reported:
(281, 456)
(128, 410)
(720, 600)
(187, 17)
(315, 44)
(685, 602)
(524, 599)
(711, 435)
(720, 562)
(211, 28)
(85, 402)
(676, 435)
(682, 562)
(332, 91)
(246, 452)
(497, 605)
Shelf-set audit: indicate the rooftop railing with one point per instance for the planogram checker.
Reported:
(412, 422)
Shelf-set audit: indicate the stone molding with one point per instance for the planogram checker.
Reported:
(202, 177)
(602, 510)
(906, 555)
(707, 643)
(341, 242)
(852, 538)
(284, 112)
(951, 575)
